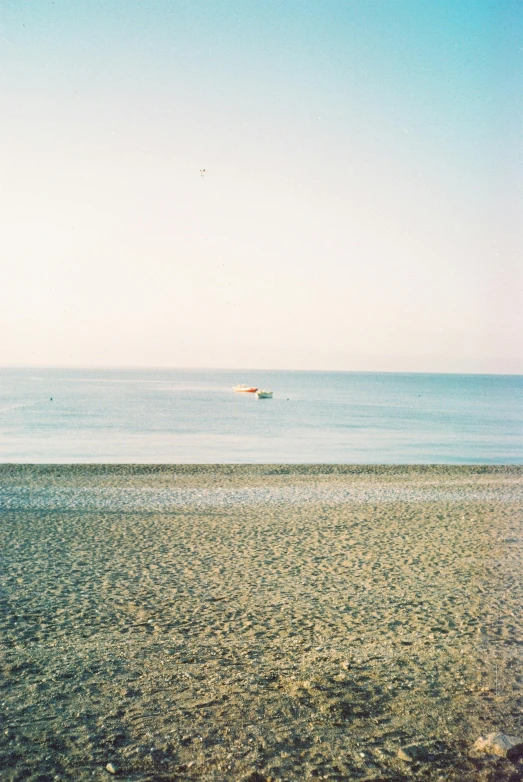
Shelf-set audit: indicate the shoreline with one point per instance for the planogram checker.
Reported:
(259, 469)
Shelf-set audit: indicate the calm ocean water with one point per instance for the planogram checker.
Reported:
(193, 416)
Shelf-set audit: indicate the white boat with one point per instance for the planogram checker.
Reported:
(263, 394)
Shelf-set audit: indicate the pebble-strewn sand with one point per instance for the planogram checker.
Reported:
(259, 623)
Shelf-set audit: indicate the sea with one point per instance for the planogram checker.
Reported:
(193, 416)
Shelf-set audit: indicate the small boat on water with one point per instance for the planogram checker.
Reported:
(245, 389)
(261, 394)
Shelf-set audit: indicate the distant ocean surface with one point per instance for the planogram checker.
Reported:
(193, 416)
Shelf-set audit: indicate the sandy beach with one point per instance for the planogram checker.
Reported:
(259, 622)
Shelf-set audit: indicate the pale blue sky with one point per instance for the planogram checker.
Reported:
(361, 204)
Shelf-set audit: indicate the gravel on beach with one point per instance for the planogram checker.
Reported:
(266, 622)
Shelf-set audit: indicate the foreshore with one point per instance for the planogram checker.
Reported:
(268, 622)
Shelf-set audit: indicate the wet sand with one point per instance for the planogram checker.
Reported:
(259, 622)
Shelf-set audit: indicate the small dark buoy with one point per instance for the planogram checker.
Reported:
(51, 399)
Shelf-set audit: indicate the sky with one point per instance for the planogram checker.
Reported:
(288, 184)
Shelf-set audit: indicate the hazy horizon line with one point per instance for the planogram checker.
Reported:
(249, 369)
